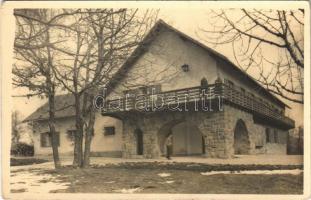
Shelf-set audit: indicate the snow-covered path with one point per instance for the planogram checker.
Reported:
(30, 179)
(34, 182)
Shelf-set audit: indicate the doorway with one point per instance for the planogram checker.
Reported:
(139, 141)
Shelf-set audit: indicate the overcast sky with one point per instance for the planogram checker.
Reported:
(186, 21)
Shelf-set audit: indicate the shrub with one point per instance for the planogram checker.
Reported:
(22, 149)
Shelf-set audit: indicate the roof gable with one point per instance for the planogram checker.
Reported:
(154, 32)
(64, 103)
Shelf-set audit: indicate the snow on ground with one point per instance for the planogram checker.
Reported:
(34, 182)
(292, 171)
(164, 174)
(130, 191)
(169, 182)
(28, 178)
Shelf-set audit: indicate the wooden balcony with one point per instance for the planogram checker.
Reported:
(219, 93)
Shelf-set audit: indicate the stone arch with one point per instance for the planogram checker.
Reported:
(241, 142)
(187, 139)
(164, 132)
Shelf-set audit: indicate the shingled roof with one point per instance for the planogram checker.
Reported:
(63, 106)
(64, 103)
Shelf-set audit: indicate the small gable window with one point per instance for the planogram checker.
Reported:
(204, 82)
(109, 130)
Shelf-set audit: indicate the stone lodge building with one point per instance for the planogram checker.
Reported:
(174, 85)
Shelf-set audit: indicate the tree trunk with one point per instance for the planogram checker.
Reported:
(88, 139)
(51, 95)
(78, 148)
(53, 133)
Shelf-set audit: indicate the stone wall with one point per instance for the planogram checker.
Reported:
(156, 127)
(231, 117)
(212, 126)
(217, 129)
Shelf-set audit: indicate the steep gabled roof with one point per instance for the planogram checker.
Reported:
(144, 45)
(64, 103)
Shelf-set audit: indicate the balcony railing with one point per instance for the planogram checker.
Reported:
(255, 105)
(218, 92)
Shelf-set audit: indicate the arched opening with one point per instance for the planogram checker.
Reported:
(241, 138)
(187, 139)
(139, 141)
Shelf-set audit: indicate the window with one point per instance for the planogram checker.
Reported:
(204, 83)
(71, 135)
(268, 138)
(153, 89)
(143, 90)
(109, 130)
(46, 139)
(150, 89)
(276, 137)
(272, 136)
(131, 92)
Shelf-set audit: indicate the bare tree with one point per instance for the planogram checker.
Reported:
(97, 43)
(34, 61)
(16, 120)
(269, 42)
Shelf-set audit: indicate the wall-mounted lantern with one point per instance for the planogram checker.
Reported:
(185, 67)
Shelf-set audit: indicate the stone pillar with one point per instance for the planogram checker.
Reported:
(212, 126)
(150, 127)
(151, 149)
(129, 140)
